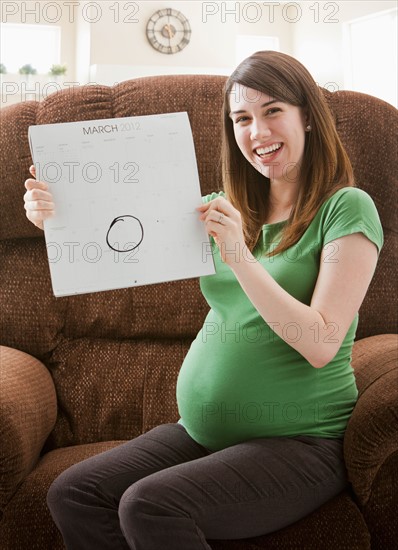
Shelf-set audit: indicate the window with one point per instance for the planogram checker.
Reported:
(371, 55)
(36, 45)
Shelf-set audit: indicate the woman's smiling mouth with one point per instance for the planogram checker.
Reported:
(268, 152)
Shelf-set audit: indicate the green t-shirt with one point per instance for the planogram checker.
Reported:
(240, 380)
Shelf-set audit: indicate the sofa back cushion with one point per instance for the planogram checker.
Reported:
(114, 356)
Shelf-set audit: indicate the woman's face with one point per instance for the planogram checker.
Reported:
(270, 133)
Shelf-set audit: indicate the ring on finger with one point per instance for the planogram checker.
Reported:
(220, 219)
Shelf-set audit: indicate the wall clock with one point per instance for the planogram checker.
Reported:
(168, 31)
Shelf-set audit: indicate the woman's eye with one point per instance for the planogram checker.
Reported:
(272, 111)
(244, 118)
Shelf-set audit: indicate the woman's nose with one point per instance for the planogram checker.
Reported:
(259, 130)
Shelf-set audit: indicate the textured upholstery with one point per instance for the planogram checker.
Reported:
(113, 357)
(25, 422)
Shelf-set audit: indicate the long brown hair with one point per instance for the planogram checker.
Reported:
(325, 167)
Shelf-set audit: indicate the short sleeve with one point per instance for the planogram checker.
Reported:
(352, 210)
(208, 198)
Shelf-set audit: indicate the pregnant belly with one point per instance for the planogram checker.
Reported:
(227, 393)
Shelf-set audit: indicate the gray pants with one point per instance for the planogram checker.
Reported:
(162, 490)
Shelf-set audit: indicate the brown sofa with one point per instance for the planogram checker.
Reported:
(81, 374)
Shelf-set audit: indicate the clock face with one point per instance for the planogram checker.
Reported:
(168, 31)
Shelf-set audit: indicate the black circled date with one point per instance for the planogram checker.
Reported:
(125, 229)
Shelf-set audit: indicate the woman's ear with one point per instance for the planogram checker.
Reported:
(307, 120)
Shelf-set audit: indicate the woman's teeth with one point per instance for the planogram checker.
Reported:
(261, 151)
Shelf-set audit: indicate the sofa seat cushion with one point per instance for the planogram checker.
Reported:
(337, 524)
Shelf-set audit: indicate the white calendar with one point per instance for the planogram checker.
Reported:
(125, 192)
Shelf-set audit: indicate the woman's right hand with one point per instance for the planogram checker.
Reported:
(38, 200)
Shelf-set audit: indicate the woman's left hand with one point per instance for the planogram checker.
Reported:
(224, 223)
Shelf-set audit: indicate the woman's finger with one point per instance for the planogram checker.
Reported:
(216, 216)
(214, 212)
(215, 224)
(34, 184)
(37, 214)
(37, 194)
(220, 204)
(38, 205)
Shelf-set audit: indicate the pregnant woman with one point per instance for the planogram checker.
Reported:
(267, 388)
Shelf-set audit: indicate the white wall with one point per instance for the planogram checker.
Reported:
(311, 31)
(99, 48)
(211, 49)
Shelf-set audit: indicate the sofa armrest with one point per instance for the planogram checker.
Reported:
(28, 410)
(371, 438)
